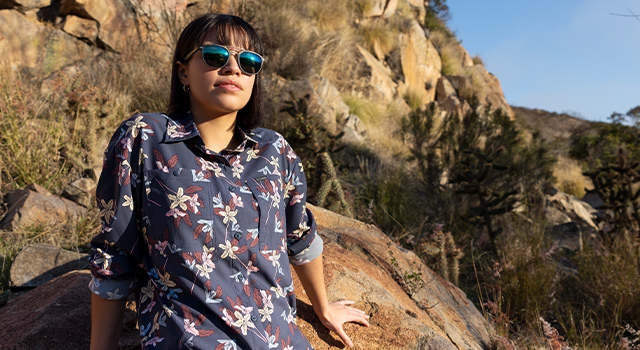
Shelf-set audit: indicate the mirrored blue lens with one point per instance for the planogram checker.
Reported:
(215, 56)
(249, 62)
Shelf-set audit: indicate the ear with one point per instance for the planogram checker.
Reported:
(182, 73)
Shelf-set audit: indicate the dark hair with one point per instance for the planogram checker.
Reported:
(225, 28)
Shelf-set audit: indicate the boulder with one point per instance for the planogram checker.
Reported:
(24, 43)
(27, 4)
(326, 110)
(81, 191)
(569, 237)
(390, 10)
(418, 6)
(353, 129)
(421, 64)
(35, 205)
(447, 97)
(409, 306)
(380, 80)
(81, 28)
(593, 200)
(330, 98)
(37, 264)
(578, 211)
(423, 312)
(117, 24)
(56, 316)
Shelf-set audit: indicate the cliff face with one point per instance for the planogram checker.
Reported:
(384, 43)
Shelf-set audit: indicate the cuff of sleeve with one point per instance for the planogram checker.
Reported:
(112, 289)
(313, 251)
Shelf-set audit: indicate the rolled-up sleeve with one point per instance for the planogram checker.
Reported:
(117, 251)
(304, 244)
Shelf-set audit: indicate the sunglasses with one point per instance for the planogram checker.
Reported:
(217, 56)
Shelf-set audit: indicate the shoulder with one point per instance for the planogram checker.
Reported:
(143, 125)
(266, 137)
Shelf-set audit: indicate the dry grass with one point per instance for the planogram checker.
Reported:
(332, 15)
(54, 127)
(569, 178)
(379, 36)
(447, 47)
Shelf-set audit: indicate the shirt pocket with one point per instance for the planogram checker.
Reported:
(178, 214)
(269, 202)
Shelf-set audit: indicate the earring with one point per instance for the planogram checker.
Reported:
(186, 88)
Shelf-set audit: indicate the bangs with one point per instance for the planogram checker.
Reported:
(233, 31)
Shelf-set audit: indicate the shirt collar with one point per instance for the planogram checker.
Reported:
(183, 128)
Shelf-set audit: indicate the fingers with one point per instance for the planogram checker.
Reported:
(344, 337)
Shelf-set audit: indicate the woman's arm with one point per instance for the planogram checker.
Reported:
(332, 315)
(106, 322)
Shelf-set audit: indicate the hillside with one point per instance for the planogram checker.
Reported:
(454, 224)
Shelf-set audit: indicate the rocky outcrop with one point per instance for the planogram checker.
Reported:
(34, 205)
(421, 64)
(57, 316)
(322, 98)
(409, 306)
(37, 264)
(81, 191)
(380, 78)
(406, 312)
(24, 43)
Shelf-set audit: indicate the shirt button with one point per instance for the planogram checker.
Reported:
(237, 235)
(254, 318)
(176, 172)
(232, 188)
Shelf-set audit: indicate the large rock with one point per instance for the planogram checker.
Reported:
(34, 205)
(56, 316)
(360, 263)
(421, 64)
(577, 210)
(324, 99)
(117, 21)
(484, 85)
(81, 191)
(37, 264)
(447, 98)
(383, 86)
(27, 4)
(24, 43)
(353, 129)
(81, 28)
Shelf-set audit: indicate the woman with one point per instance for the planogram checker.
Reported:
(202, 212)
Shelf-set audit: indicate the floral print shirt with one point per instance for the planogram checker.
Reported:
(204, 239)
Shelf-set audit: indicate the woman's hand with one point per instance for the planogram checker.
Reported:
(338, 313)
(332, 315)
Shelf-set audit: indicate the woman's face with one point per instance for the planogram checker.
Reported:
(216, 92)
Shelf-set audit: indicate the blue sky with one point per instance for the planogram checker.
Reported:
(562, 56)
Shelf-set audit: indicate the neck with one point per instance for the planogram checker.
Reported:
(217, 132)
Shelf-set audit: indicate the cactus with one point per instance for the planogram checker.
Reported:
(329, 181)
(312, 135)
(617, 186)
(447, 254)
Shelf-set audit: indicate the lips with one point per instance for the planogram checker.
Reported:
(229, 84)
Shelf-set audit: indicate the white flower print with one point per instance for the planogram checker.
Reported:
(243, 321)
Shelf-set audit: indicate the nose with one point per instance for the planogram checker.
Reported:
(232, 66)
